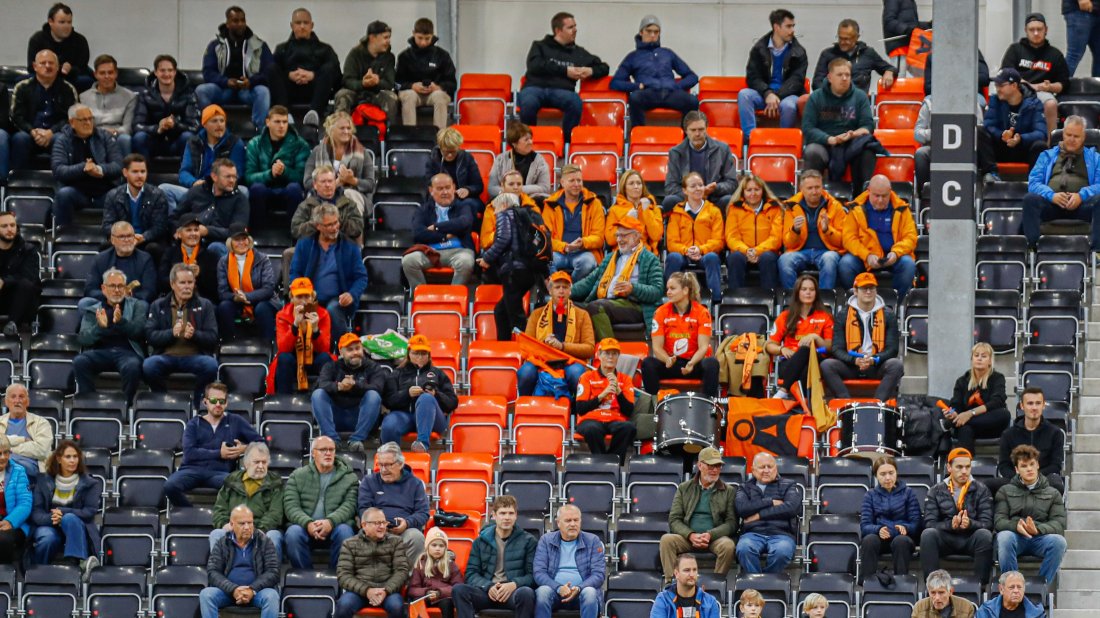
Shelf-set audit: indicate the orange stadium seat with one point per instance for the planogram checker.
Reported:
(480, 137)
(419, 463)
(899, 166)
(732, 136)
(649, 148)
(549, 142)
(540, 426)
(447, 355)
(439, 311)
(478, 425)
(463, 481)
(903, 89)
(897, 114)
(486, 297)
(597, 151)
(602, 106)
(483, 98)
(774, 154)
(491, 368)
(718, 100)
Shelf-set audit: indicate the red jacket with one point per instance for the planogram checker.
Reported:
(286, 337)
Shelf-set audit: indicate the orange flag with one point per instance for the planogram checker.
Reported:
(541, 354)
(418, 608)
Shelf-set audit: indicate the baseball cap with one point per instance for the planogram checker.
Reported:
(238, 229)
(1034, 17)
(710, 456)
(865, 279)
(301, 285)
(419, 343)
(1007, 75)
(188, 218)
(958, 452)
(561, 275)
(348, 339)
(610, 344)
(630, 223)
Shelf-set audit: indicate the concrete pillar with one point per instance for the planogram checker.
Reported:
(446, 25)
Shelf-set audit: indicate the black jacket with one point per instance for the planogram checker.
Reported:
(460, 223)
(431, 64)
(940, 507)
(396, 396)
(74, 50)
(993, 395)
(1071, 6)
(758, 71)
(368, 377)
(548, 61)
(1048, 439)
(983, 73)
(138, 268)
(158, 326)
(1037, 64)
(865, 60)
(265, 563)
(310, 54)
(153, 212)
(5, 109)
(899, 18)
(27, 98)
(151, 108)
(467, 174)
(20, 263)
(207, 282)
(68, 164)
(216, 212)
(840, 344)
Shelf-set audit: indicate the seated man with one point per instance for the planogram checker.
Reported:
(369, 73)
(399, 494)
(695, 237)
(1030, 517)
(111, 104)
(769, 507)
(561, 325)
(702, 517)
(649, 75)
(335, 263)
(39, 105)
(838, 128)
(218, 204)
(700, 150)
(500, 571)
(685, 593)
(569, 568)
(112, 337)
(626, 287)
(941, 595)
(776, 75)
(349, 395)
(276, 164)
(864, 58)
(123, 255)
(425, 76)
(1014, 129)
(1032, 429)
(243, 569)
(306, 70)
(166, 116)
(183, 333)
(879, 234)
(866, 347)
(143, 206)
(1012, 600)
(30, 435)
(953, 529)
(58, 36)
(20, 279)
(554, 66)
(212, 142)
(1064, 183)
(575, 218)
(212, 444)
(326, 190)
(1041, 65)
(235, 67)
(372, 569)
(441, 229)
(190, 248)
(256, 487)
(303, 335)
(812, 231)
(319, 505)
(246, 287)
(604, 403)
(86, 164)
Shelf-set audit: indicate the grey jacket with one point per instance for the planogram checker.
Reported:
(132, 324)
(114, 111)
(719, 167)
(265, 562)
(536, 184)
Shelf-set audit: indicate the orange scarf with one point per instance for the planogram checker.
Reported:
(962, 494)
(545, 326)
(193, 258)
(853, 327)
(746, 349)
(605, 280)
(303, 352)
(236, 282)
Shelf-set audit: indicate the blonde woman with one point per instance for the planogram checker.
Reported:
(635, 200)
(449, 158)
(751, 241)
(978, 407)
(353, 163)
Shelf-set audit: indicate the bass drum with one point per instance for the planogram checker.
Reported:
(687, 423)
(869, 430)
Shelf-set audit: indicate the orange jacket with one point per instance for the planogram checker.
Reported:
(783, 227)
(592, 221)
(489, 220)
(650, 217)
(861, 241)
(745, 229)
(704, 231)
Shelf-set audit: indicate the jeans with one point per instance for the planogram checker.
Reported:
(427, 417)
(159, 144)
(416, 264)
(70, 532)
(5, 157)
(794, 262)
(1082, 29)
(528, 377)
(263, 313)
(547, 600)
(275, 536)
(1038, 211)
(361, 420)
(286, 369)
(212, 599)
(1050, 547)
(259, 97)
(185, 479)
(712, 267)
(22, 148)
(298, 545)
(157, 367)
(533, 98)
(68, 200)
(641, 101)
(469, 600)
(737, 266)
(340, 316)
(174, 194)
(262, 200)
(578, 264)
(123, 360)
(349, 603)
(780, 549)
(749, 101)
(124, 141)
(903, 271)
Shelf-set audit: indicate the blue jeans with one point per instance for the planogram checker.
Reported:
(533, 98)
(92, 362)
(259, 97)
(749, 101)
(185, 479)
(157, 367)
(1038, 210)
(156, 144)
(213, 599)
(124, 141)
(712, 266)
(737, 267)
(642, 101)
(340, 316)
(780, 549)
(71, 533)
(23, 148)
(5, 157)
(68, 200)
(262, 200)
(263, 313)
(903, 270)
(428, 417)
(1050, 547)
(299, 543)
(794, 262)
(1082, 29)
(527, 377)
(174, 194)
(349, 603)
(547, 600)
(275, 536)
(286, 370)
(332, 418)
(577, 264)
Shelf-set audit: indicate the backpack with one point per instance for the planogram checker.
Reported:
(536, 248)
(924, 428)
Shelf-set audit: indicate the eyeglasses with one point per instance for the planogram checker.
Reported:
(383, 464)
(114, 286)
(325, 450)
(124, 236)
(216, 401)
(84, 118)
(376, 523)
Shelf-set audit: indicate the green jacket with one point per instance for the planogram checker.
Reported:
(365, 563)
(359, 60)
(132, 325)
(301, 495)
(721, 508)
(1043, 504)
(647, 292)
(266, 503)
(259, 158)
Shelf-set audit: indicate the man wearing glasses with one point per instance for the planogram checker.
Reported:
(112, 333)
(372, 569)
(702, 517)
(1064, 184)
(319, 504)
(86, 162)
(123, 255)
(400, 495)
(212, 443)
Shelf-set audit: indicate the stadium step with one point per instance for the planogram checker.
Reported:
(1072, 601)
(1084, 520)
(1093, 347)
(1086, 462)
(1088, 406)
(1076, 580)
(1088, 424)
(914, 385)
(1083, 539)
(1092, 368)
(1081, 559)
(1084, 500)
(1084, 481)
(1090, 387)
(1086, 443)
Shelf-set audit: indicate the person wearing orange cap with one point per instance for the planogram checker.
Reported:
(349, 394)
(865, 343)
(604, 404)
(212, 142)
(246, 285)
(505, 256)
(303, 332)
(563, 326)
(979, 407)
(680, 333)
(695, 235)
(879, 235)
(419, 396)
(958, 518)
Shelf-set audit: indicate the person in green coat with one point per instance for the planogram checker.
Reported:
(1029, 516)
(370, 73)
(257, 488)
(702, 517)
(319, 504)
(275, 167)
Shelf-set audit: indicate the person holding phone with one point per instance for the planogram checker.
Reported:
(419, 396)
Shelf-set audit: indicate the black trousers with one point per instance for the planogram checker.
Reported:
(794, 368)
(653, 371)
(317, 93)
(988, 425)
(992, 149)
(622, 437)
(871, 547)
(11, 545)
(19, 299)
(509, 312)
(978, 544)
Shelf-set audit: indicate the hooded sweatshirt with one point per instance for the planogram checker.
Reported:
(828, 114)
(1048, 439)
(548, 62)
(1037, 64)
(429, 64)
(654, 66)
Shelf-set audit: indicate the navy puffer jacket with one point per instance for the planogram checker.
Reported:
(654, 66)
(890, 508)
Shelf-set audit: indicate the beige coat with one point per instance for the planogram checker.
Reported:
(40, 444)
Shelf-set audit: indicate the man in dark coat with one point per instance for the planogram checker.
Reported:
(306, 70)
(58, 36)
(865, 60)
(776, 75)
(20, 282)
(425, 75)
(511, 588)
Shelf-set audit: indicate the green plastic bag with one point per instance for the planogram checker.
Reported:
(390, 345)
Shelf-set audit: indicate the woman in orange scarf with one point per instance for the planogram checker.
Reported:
(246, 285)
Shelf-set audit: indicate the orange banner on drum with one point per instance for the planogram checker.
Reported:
(755, 425)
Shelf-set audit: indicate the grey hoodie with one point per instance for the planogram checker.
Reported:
(113, 111)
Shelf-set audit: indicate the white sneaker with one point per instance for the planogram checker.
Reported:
(90, 563)
(782, 394)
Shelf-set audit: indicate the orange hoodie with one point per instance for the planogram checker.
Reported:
(650, 217)
(783, 227)
(861, 241)
(592, 221)
(745, 229)
(704, 231)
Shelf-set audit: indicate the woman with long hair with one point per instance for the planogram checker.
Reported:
(534, 171)
(750, 239)
(634, 200)
(681, 334)
(803, 327)
(889, 520)
(66, 500)
(979, 406)
(354, 165)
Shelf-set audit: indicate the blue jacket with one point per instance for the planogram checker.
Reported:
(460, 223)
(1030, 122)
(18, 498)
(591, 561)
(664, 606)
(404, 498)
(467, 173)
(1038, 180)
(753, 500)
(654, 66)
(202, 443)
(992, 609)
(262, 274)
(349, 258)
(199, 155)
(85, 504)
(68, 169)
(158, 326)
(519, 558)
(882, 508)
(141, 269)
